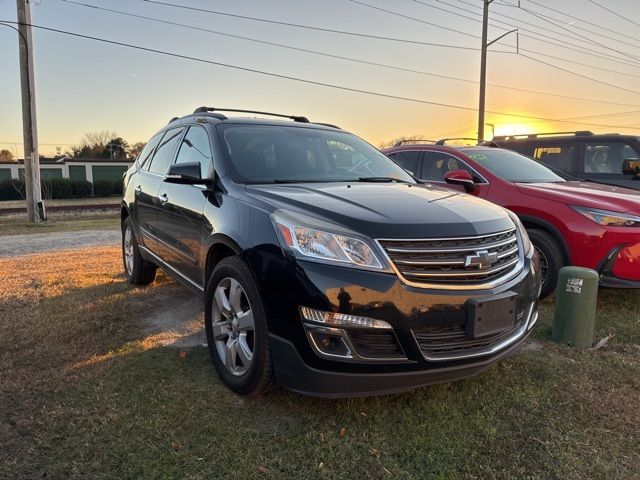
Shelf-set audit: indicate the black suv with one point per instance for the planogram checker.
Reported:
(322, 264)
(610, 158)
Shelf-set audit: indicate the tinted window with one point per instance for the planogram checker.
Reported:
(557, 155)
(195, 147)
(407, 160)
(147, 151)
(268, 154)
(611, 157)
(165, 151)
(436, 164)
(512, 166)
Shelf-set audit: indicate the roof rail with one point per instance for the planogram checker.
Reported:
(414, 140)
(444, 141)
(295, 118)
(579, 133)
(174, 119)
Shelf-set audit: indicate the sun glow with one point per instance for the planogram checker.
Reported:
(519, 128)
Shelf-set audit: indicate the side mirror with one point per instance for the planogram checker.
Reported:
(461, 177)
(187, 173)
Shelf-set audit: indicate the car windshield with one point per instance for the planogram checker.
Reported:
(290, 154)
(512, 166)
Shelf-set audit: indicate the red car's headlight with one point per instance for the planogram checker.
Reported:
(607, 218)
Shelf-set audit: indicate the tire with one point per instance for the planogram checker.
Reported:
(136, 269)
(234, 315)
(551, 259)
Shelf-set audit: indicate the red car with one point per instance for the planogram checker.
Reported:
(569, 222)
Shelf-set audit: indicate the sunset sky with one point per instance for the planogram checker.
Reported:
(83, 85)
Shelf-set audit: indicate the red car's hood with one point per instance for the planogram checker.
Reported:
(586, 194)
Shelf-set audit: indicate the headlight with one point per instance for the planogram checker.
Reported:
(311, 238)
(609, 219)
(526, 241)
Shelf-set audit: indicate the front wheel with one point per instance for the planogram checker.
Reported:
(551, 259)
(236, 328)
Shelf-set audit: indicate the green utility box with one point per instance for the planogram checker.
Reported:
(575, 314)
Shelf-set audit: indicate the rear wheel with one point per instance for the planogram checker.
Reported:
(551, 259)
(137, 270)
(236, 327)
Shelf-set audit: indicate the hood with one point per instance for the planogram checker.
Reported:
(388, 210)
(586, 194)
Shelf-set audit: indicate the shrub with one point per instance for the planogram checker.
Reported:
(56, 188)
(105, 188)
(12, 190)
(81, 189)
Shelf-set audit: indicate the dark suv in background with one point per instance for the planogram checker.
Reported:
(610, 158)
(322, 264)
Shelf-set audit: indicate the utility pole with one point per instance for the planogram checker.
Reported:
(483, 66)
(483, 69)
(35, 207)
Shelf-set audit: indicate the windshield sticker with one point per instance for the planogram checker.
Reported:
(478, 156)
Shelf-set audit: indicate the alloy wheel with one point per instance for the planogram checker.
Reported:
(128, 250)
(233, 326)
(544, 264)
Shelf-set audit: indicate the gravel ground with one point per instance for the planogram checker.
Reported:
(16, 245)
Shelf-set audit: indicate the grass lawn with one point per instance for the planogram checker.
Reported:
(85, 394)
(115, 200)
(60, 221)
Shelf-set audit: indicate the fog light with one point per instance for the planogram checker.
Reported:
(341, 319)
(330, 342)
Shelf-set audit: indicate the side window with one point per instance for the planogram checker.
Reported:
(165, 151)
(436, 164)
(147, 151)
(560, 156)
(195, 147)
(611, 157)
(407, 160)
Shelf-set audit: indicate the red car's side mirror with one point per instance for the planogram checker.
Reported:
(461, 177)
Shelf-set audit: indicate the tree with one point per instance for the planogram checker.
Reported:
(135, 149)
(95, 145)
(6, 156)
(117, 147)
(390, 143)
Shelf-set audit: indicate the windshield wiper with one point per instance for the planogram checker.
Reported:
(381, 179)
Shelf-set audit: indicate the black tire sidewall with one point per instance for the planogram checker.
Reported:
(555, 260)
(251, 381)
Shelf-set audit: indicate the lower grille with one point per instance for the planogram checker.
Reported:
(443, 342)
(464, 261)
(375, 344)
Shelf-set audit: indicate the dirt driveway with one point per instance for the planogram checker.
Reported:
(15, 245)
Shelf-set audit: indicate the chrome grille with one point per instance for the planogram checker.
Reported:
(461, 260)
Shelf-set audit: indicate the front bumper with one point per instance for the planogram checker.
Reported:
(621, 268)
(293, 373)
(287, 284)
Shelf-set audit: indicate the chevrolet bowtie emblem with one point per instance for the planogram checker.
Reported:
(482, 259)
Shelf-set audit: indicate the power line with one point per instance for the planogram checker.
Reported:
(551, 20)
(311, 27)
(554, 40)
(519, 26)
(615, 13)
(573, 17)
(548, 17)
(459, 32)
(618, 72)
(566, 45)
(341, 57)
(300, 80)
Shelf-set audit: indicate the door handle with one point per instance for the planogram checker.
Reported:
(138, 189)
(163, 198)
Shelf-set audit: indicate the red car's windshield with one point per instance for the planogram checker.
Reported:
(512, 166)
